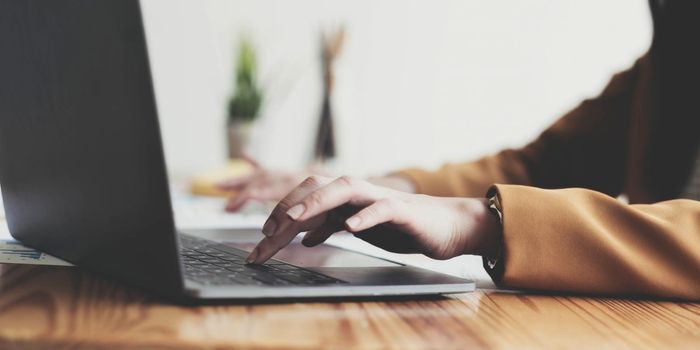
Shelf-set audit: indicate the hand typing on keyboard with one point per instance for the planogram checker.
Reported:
(397, 221)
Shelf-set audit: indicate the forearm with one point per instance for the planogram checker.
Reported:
(470, 179)
(579, 240)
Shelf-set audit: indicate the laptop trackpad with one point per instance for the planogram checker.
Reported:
(295, 253)
(320, 256)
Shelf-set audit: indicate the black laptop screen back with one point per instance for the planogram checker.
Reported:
(81, 161)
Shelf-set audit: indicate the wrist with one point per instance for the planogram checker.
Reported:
(486, 235)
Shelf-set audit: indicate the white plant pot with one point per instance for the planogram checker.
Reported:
(238, 138)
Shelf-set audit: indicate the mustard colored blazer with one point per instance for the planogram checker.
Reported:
(563, 228)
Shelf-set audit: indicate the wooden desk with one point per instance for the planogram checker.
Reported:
(62, 307)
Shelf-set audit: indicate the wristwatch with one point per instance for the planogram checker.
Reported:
(495, 208)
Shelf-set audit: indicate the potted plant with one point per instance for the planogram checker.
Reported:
(244, 104)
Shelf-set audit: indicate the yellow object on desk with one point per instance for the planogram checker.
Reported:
(205, 184)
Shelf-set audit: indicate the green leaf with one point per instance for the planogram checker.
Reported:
(247, 98)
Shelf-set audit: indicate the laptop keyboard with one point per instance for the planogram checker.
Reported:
(211, 263)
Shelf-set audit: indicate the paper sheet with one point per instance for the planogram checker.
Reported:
(13, 252)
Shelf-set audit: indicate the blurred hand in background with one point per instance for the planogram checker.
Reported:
(263, 184)
(272, 185)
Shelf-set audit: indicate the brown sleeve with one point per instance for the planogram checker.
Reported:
(579, 240)
(587, 147)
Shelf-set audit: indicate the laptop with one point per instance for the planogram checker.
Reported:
(83, 174)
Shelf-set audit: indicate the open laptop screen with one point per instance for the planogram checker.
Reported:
(81, 161)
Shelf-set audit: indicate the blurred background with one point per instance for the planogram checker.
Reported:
(417, 83)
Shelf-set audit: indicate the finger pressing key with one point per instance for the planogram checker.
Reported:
(279, 220)
(270, 245)
(266, 248)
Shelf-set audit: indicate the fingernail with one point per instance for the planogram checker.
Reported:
(253, 255)
(353, 222)
(269, 227)
(296, 211)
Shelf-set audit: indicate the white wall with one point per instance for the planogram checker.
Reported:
(418, 83)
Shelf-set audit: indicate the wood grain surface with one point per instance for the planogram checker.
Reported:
(64, 308)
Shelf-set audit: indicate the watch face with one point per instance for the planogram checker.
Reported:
(495, 207)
